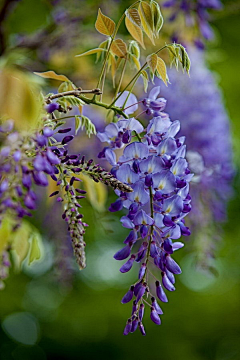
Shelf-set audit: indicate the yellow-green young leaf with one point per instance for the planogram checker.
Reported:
(52, 75)
(146, 16)
(157, 18)
(104, 24)
(135, 61)
(19, 99)
(162, 70)
(119, 48)
(135, 31)
(63, 87)
(152, 61)
(133, 16)
(104, 45)
(35, 248)
(78, 124)
(144, 76)
(20, 243)
(134, 49)
(5, 232)
(96, 192)
(92, 51)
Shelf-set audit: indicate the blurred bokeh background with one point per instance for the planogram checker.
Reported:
(50, 310)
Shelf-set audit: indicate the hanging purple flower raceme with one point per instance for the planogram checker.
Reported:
(197, 102)
(156, 169)
(28, 161)
(196, 16)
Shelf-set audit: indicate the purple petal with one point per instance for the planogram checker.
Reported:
(128, 296)
(154, 316)
(167, 283)
(160, 292)
(123, 253)
(128, 265)
(131, 100)
(127, 327)
(172, 265)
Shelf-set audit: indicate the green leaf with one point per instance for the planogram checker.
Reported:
(134, 49)
(96, 192)
(82, 122)
(92, 51)
(71, 100)
(63, 87)
(52, 75)
(135, 61)
(157, 18)
(186, 63)
(35, 248)
(104, 24)
(146, 16)
(162, 70)
(144, 76)
(152, 61)
(77, 124)
(119, 48)
(133, 25)
(5, 232)
(19, 99)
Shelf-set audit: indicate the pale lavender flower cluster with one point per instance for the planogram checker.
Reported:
(156, 169)
(197, 102)
(196, 13)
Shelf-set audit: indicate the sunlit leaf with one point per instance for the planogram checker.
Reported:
(134, 30)
(96, 192)
(133, 16)
(144, 76)
(104, 45)
(157, 18)
(35, 249)
(63, 87)
(5, 232)
(52, 75)
(92, 51)
(19, 99)
(134, 49)
(82, 122)
(119, 48)
(135, 61)
(146, 16)
(77, 124)
(20, 243)
(104, 24)
(152, 61)
(162, 70)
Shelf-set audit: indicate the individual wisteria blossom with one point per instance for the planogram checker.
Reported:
(155, 167)
(196, 18)
(197, 102)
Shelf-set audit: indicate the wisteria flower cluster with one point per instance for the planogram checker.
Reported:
(27, 161)
(151, 178)
(156, 169)
(198, 103)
